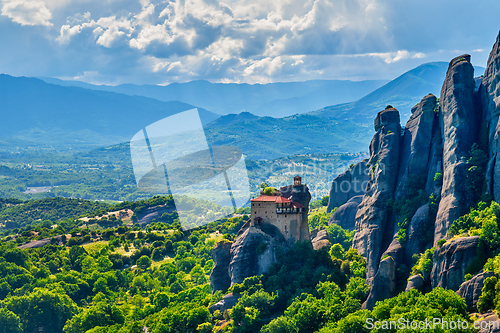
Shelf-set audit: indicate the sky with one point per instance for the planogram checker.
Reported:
(242, 41)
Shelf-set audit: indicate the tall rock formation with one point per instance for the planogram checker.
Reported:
(417, 155)
(253, 252)
(371, 219)
(451, 260)
(490, 99)
(459, 129)
(405, 170)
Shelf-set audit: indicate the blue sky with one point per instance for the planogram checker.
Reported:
(252, 41)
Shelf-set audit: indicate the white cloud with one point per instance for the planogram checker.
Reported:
(67, 32)
(239, 40)
(400, 55)
(27, 12)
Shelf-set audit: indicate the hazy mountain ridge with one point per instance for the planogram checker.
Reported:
(273, 99)
(34, 110)
(53, 114)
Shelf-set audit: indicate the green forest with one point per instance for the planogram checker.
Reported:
(122, 276)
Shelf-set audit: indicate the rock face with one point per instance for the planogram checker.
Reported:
(321, 240)
(490, 99)
(416, 146)
(490, 322)
(415, 282)
(471, 290)
(418, 232)
(254, 251)
(227, 302)
(459, 131)
(371, 219)
(348, 184)
(384, 283)
(451, 260)
(345, 215)
(219, 277)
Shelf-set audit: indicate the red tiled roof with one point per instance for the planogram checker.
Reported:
(276, 199)
(271, 198)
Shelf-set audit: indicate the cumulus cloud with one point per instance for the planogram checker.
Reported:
(27, 12)
(260, 39)
(241, 40)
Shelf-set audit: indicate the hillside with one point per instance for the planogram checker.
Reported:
(273, 99)
(269, 138)
(33, 110)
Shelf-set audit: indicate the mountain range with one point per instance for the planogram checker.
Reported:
(39, 113)
(35, 111)
(273, 99)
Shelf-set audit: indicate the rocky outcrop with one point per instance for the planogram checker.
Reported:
(415, 282)
(345, 215)
(426, 164)
(472, 289)
(321, 239)
(490, 323)
(253, 252)
(416, 146)
(418, 233)
(459, 131)
(371, 219)
(489, 92)
(226, 303)
(384, 283)
(451, 260)
(219, 277)
(348, 184)
(256, 243)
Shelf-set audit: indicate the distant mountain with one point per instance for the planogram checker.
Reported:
(340, 128)
(232, 119)
(269, 138)
(33, 110)
(273, 99)
(402, 93)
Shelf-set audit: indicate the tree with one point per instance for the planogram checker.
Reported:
(42, 309)
(104, 264)
(144, 262)
(101, 314)
(9, 322)
(269, 191)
